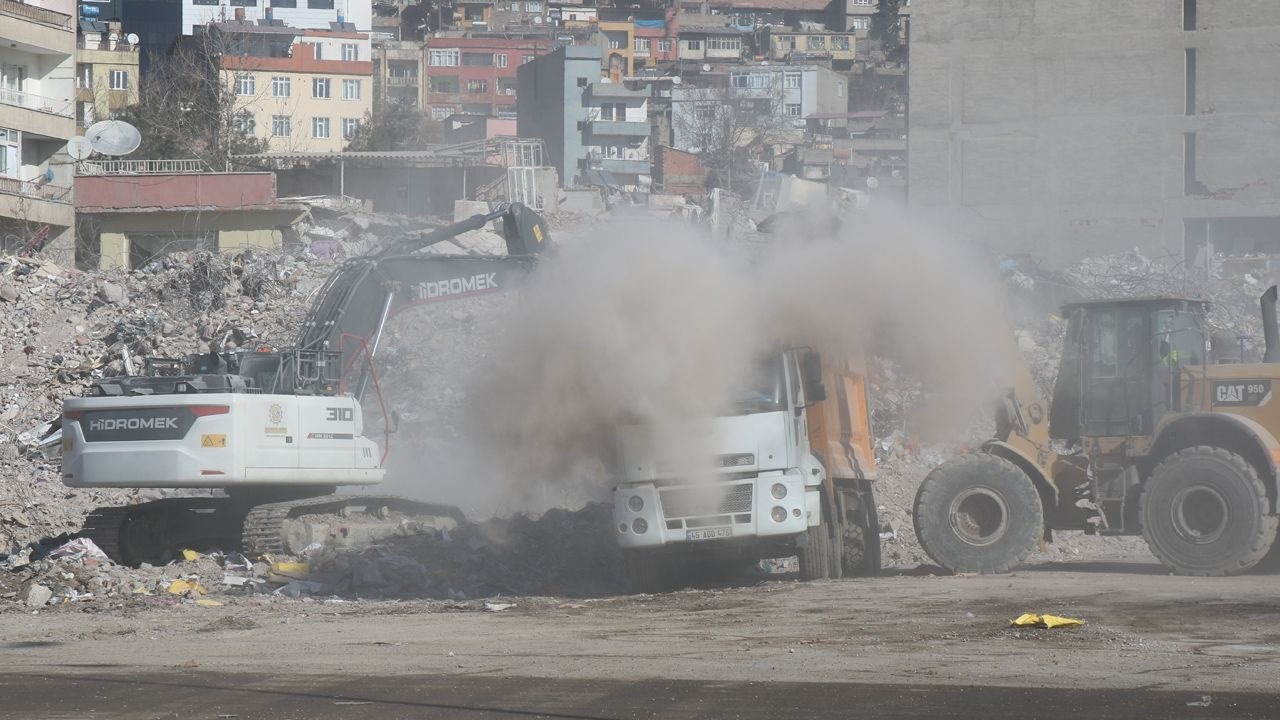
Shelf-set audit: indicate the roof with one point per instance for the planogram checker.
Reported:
(298, 63)
(251, 29)
(792, 5)
(710, 30)
(334, 34)
(861, 115)
(1143, 300)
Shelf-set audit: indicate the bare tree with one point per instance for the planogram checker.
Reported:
(188, 107)
(732, 129)
(396, 126)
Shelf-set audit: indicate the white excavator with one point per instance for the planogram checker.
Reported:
(273, 433)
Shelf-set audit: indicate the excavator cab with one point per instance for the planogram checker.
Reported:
(1120, 365)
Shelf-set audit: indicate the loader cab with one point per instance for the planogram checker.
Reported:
(1120, 364)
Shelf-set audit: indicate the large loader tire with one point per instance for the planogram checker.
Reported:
(815, 553)
(978, 514)
(1205, 512)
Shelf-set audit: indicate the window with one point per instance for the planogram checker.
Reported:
(349, 127)
(839, 89)
(791, 81)
(860, 23)
(704, 112)
(752, 81)
(641, 45)
(533, 6)
(400, 70)
(320, 4)
(284, 3)
(320, 87)
(477, 59)
(320, 128)
(119, 79)
(582, 82)
(245, 124)
(280, 86)
(862, 2)
(664, 45)
(616, 40)
(500, 59)
(793, 109)
(204, 2)
(693, 44)
(84, 75)
(444, 84)
(443, 58)
(440, 113)
(280, 125)
(506, 86)
(477, 86)
(528, 59)
(350, 89)
(613, 111)
(815, 42)
(350, 51)
(724, 43)
(245, 85)
(319, 50)
(839, 42)
(244, 3)
(612, 151)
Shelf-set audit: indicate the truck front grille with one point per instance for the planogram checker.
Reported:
(709, 500)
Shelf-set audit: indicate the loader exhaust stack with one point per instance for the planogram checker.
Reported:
(1270, 332)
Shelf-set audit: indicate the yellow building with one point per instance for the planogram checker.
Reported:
(617, 40)
(313, 101)
(784, 43)
(106, 72)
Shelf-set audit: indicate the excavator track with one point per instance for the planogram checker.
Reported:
(265, 525)
(103, 527)
(155, 532)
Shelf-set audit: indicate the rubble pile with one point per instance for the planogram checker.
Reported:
(562, 553)
(62, 329)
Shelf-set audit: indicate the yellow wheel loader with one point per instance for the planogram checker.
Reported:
(1146, 436)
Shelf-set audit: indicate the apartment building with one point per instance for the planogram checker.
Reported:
(399, 72)
(550, 105)
(106, 71)
(37, 117)
(1032, 130)
(616, 133)
(310, 99)
(476, 75)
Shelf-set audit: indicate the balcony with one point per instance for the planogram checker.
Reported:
(625, 167)
(39, 103)
(401, 81)
(35, 14)
(616, 90)
(104, 44)
(34, 191)
(617, 128)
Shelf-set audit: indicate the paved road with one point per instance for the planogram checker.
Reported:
(215, 695)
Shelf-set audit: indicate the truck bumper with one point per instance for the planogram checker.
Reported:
(646, 515)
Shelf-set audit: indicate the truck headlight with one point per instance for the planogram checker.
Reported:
(635, 503)
(779, 514)
(640, 526)
(779, 491)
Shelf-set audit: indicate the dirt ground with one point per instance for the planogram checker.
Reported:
(908, 640)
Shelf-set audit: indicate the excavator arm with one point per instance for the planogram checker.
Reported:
(355, 303)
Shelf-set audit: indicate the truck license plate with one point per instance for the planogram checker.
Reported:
(708, 534)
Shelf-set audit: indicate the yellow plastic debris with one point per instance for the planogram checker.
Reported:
(206, 602)
(285, 572)
(190, 555)
(182, 587)
(1045, 621)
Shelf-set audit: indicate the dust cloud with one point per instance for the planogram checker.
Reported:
(648, 323)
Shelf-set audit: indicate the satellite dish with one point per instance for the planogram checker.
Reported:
(537, 20)
(113, 137)
(706, 68)
(676, 80)
(79, 148)
(132, 38)
(873, 183)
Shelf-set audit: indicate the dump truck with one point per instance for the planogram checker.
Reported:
(788, 472)
(1146, 435)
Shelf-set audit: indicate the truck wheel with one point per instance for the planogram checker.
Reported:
(861, 546)
(648, 573)
(815, 553)
(979, 514)
(1204, 512)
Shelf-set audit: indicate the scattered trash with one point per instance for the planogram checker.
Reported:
(287, 572)
(1204, 701)
(38, 596)
(1045, 621)
(498, 606)
(80, 549)
(183, 586)
(207, 602)
(190, 555)
(298, 588)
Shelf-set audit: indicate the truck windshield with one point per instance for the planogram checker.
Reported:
(765, 389)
